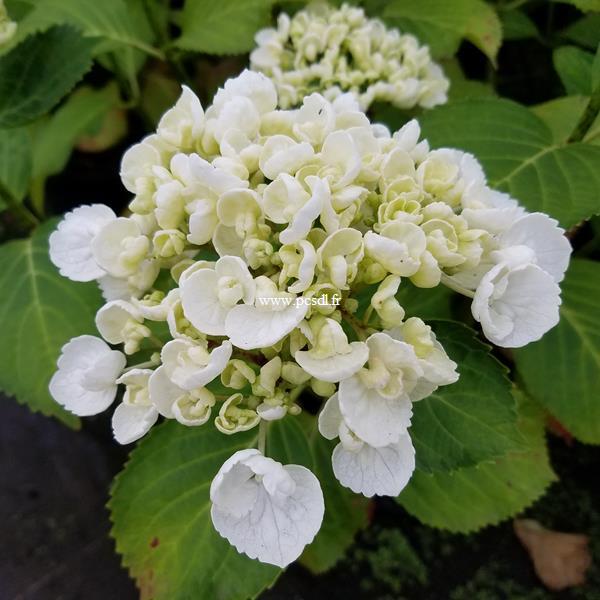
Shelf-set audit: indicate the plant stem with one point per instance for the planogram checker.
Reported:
(262, 436)
(450, 283)
(587, 119)
(145, 365)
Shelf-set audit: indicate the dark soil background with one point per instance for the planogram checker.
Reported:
(54, 482)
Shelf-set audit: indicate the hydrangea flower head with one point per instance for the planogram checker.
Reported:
(336, 50)
(281, 238)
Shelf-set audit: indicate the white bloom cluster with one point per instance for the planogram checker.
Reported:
(335, 50)
(283, 236)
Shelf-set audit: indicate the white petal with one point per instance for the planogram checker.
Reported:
(330, 418)
(112, 318)
(249, 327)
(163, 392)
(71, 243)
(107, 245)
(543, 235)
(302, 221)
(377, 420)
(334, 368)
(516, 306)
(130, 422)
(201, 304)
(373, 471)
(85, 383)
(276, 530)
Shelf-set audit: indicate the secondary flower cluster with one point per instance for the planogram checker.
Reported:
(336, 50)
(264, 249)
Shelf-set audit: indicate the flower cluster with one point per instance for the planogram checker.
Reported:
(261, 258)
(336, 50)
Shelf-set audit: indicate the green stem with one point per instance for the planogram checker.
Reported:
(356, 325)
(27, 218)
(262, 436)
(450, 283)
(587, 119)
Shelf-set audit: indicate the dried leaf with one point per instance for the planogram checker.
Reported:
(560, 559)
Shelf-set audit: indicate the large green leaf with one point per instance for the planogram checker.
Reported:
(585, 31)
(39, 72)
(160, 509)
(433, 303)
(521, 156)
(442, 24)
(472, 420)
(39, 313)
(471, 498)
(109, 20)
(574, 66)
(345, 512)
(561, 115)
(81, 114)
(516, 25)
(562, 370)
(15, 163)
(223, 27)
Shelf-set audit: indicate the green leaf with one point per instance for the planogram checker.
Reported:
(574, 67)
(561, 370)
(40, 312)
(472, 420)
(223, 27)
(345, 512)
(81, 114)
(15, 163)
(583, 5)
(561, 115)
(110, 20)
(433, 303)
(516, 25)
(520, 156)
(39, 72)
(442, 24)
(286, 443)
(461, 87)
(585, 31)
(468, 499)
(160, 509)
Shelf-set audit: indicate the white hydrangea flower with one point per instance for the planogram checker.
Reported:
(545, 238)
(438, 368)
(120, 322)
(182, 125)
(332, 358)
(120, 247)
(337, 50)
(273, 315)
(191, 365)
(398, 248)
(189, 407)
(306, 210)
(265, 509)
(208, 295)
(516, 303)
(134, 417)
(365, 469)
(71, 242)
(86, 381)
(376, 402)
